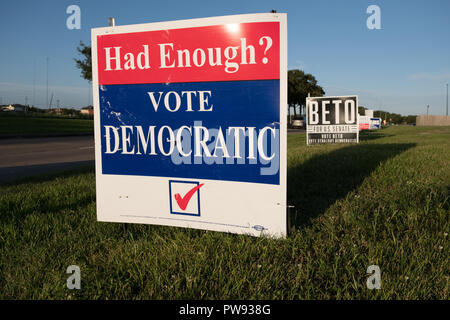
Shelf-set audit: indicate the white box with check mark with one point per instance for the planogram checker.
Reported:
(184, 197)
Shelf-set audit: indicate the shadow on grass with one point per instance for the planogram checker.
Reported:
(43, 172)
(372, 135)
(319, 182)
(48, 201)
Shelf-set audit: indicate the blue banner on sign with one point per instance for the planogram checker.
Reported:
(207, 130)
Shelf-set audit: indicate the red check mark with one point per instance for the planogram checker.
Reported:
(183, 201)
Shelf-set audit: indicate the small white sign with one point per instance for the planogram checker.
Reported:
(332, 120)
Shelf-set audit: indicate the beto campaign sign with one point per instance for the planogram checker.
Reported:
(332, 120)
(190, 123)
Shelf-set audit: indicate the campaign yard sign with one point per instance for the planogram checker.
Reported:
(364, 122)
(375, 123)
(190, 123)
(332, 120)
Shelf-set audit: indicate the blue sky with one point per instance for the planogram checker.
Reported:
(400, 68)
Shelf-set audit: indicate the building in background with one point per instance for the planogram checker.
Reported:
(16, 108)
(89, 111)
(426, 120)
(58, 111)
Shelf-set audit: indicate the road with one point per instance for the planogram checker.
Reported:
(22, 157)
(295, 131)
(25, 157)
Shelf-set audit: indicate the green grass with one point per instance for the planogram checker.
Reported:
(10, 125)
(384, 202)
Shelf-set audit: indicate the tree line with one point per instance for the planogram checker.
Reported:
(300, 84)
(390, 117)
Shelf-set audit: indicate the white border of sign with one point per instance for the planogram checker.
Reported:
(121, 198)
(307, 115)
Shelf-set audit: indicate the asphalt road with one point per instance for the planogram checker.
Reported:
(26, 157)
(23, 157)
(296, 131)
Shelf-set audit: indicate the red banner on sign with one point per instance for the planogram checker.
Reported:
(246, 51)
(363, 126)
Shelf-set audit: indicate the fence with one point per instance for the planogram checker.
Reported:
(425, 120)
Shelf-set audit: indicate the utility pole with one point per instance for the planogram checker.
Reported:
(47, 83)
(428, 107)
(34, 82)
(447, 102)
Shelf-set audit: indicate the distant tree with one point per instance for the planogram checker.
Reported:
(85, 64)
(390, 117)
(36, 110)
(380, 114)
(410, 119)
(299, 85)
(361, 110)
(396, 118)
(385, 115)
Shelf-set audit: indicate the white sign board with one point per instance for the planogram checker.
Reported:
(332, 120)
(190, 123)
(364, 122)
(368, 113)
(375, 123)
